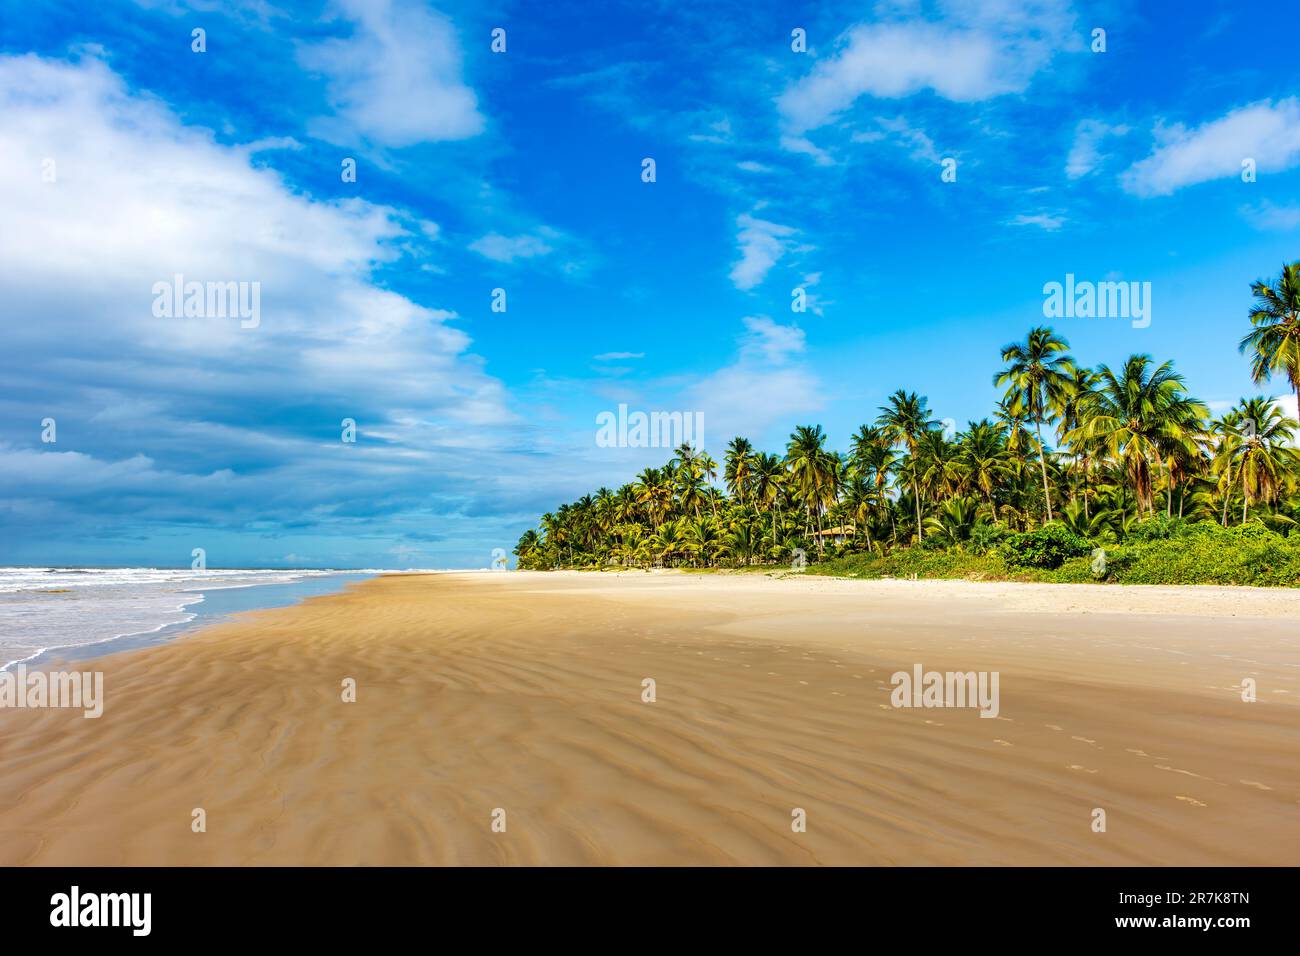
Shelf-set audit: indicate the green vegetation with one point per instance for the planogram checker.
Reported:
(1143, 486)
(1192, 553)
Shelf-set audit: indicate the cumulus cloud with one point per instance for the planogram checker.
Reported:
(181, 419)
(1267, 132)
(962, 52)
(396, 80)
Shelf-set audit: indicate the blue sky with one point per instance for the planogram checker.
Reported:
(522, 170)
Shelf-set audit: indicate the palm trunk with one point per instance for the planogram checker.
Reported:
(1042, 461)
(1086, 469)
(1227, 493)
(916, 495)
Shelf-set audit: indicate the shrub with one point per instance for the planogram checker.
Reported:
(1157, 528)
(1047, 547)
(935, 542)
(1207, 553)
(1198, 553)
(985, 537)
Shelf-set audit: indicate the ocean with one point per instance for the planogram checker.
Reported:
(74, 613)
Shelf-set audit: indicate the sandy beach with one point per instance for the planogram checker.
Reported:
(522, 692)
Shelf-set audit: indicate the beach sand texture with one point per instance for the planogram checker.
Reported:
(523, 691)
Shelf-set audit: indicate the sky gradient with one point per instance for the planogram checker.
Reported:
(128, 158)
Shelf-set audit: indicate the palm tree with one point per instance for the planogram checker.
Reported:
(861, 499)
(684, 455)
(1124, 437)
(872, 455)
(1225, 432)
(810, 469)
(654, 492)
(528, 543)
(1069, 411)
(709, 469)
(1076, 518)
(904, 420)
(768, 479)
(667, 541)
(690, 488)
(1038, 378)
(937, 461)
(702, 538)
(982, 459)
(741, 543)
(1264, 455)
(955, 520)
(1274, 343)
(1137, 413)
(738, 467)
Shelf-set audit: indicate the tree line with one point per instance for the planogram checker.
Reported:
(1096, 450)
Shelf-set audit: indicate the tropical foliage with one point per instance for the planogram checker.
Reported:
(1070, 459)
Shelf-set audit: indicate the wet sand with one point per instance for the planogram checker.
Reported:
(522, 693)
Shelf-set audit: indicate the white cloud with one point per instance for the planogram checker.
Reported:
(618, 356)
(762, 244)
(138, 198)
(812, 300)
(272, 144)
(1266, 132)
(507, 249)
(770, 340)
(1041, 220)
(1288, 402)
(1267, 215)
(1085, 152)
(802, 144)
(396, 81)
(765, 387)
(969, 52)
(916, 141)
(719, 133)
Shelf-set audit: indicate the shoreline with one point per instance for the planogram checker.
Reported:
(199, 606)
(1235, 600)
(522, 692)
